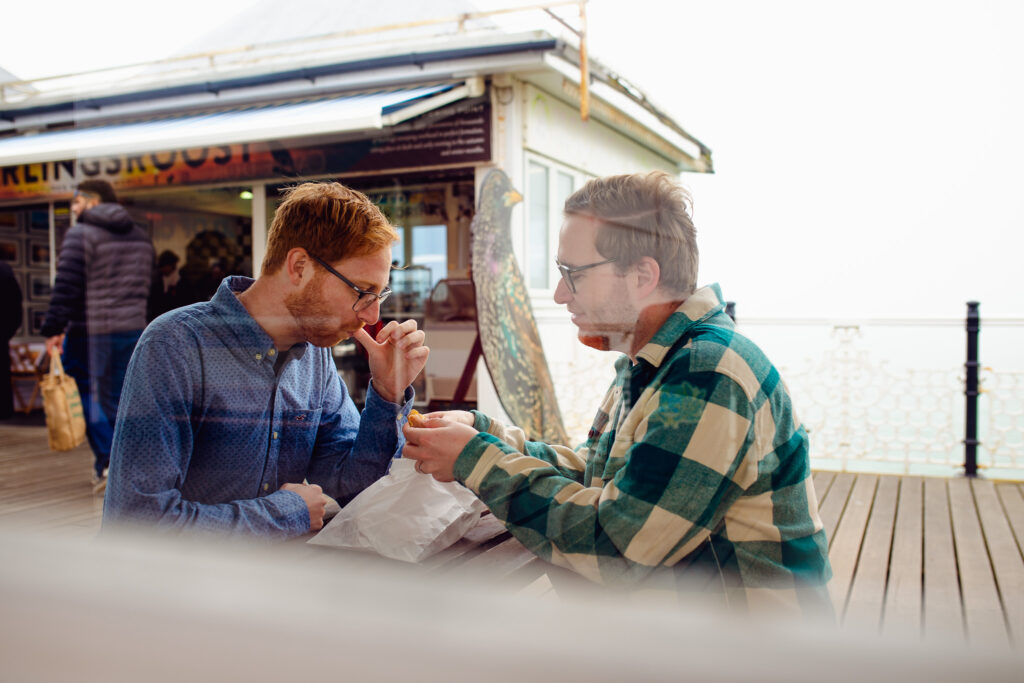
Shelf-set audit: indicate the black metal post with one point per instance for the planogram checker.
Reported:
(971, 391)
(730, 309)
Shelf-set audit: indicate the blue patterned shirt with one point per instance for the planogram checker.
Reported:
(212, 422)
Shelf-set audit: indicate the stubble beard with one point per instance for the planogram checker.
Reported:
(314, 318)
(617, 340)
(610, 335)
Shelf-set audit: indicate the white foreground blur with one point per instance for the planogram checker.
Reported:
(135, 608)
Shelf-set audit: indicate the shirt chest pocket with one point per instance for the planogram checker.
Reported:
(297, 433)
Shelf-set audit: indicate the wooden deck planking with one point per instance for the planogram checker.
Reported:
(1005, 556)
(844, 549)
(832, 506)
(983, 612)
(997, 506)
(822, 481)
(867, 593)
(45, 516)
(943, 611)
(41, 489)
(1012, 498)
(903, 603)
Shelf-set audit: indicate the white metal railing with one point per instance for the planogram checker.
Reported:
(871, 407)
(884, 395)
(1001, 419)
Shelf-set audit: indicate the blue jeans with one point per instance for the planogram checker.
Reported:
(98, 364)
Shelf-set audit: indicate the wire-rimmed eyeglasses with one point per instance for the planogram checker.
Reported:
(366, 297)
(567, 271)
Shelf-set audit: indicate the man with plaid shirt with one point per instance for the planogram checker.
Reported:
(696, 467)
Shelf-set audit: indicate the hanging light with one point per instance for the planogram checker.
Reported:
(245, 194)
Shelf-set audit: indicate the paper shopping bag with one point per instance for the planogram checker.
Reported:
(404, 515)
(65, 420)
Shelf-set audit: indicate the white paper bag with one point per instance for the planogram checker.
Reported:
(404, 515)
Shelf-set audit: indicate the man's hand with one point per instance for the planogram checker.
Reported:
(436, 447)
(54, 342)
(396, 356)
(315, 501)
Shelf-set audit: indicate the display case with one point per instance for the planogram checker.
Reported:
(410, 288)
(450, 324)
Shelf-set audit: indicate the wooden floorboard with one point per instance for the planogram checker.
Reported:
(867, 593)
(1012, 498)
(942, 609)
(903, 591)
(1005, 556)
(822, 481)
(42, 490)
(831, 509)
(845, 547)
(983, 613)
(928, 556)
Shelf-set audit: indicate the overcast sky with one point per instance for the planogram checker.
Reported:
(868, 154)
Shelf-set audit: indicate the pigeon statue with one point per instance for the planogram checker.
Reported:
(508, 332)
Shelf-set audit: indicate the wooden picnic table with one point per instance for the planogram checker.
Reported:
(487, 552)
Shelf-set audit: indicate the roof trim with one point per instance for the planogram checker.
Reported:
(305, 73)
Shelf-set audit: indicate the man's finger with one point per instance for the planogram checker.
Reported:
(396, 330)
(364, 339)
(417, 353)
(407, 326)
(386, 332)
(413, 338)
(412, 434)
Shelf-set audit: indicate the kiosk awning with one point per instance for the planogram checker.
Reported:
(370, 111)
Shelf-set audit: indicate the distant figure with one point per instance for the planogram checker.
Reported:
(695, 474)
(98, 307)
(10, 321)
(168, 292)
(209, 257)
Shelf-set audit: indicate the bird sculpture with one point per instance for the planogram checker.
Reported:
(507, 330)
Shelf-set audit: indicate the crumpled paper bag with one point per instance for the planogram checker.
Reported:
(404, 515)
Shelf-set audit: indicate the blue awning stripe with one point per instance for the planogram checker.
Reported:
(251, 124)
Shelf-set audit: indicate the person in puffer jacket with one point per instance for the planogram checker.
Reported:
(98, 307)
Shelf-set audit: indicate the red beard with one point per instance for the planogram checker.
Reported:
(595, 341)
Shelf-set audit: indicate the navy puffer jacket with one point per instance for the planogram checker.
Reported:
(104, 275)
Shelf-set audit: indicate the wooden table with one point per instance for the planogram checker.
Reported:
(488, 552)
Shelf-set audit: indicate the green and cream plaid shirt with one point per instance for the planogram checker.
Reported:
(696, 462)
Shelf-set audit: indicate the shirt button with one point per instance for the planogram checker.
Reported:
(259, 356)
(272, 352)
(266, 487)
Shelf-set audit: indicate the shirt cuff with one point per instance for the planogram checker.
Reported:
(481, 422)
(471, 466)
(405, 406)
(290, 510)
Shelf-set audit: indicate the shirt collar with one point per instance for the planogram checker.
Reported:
(251, 337)
(701, 306)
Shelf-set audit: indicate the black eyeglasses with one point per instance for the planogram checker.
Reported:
(366, 297)
(567, 271)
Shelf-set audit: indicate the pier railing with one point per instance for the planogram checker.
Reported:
(911, 396)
